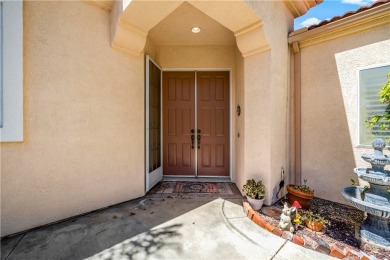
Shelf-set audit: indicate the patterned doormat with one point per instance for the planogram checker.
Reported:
(196, 187)
(187, 187)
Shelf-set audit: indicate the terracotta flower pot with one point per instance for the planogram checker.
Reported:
(297, 195)
(313, 225)
(255, 204)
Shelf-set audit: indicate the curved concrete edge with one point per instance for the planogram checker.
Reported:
(239, 219)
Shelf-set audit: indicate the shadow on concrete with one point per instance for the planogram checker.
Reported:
(143, 245)
(128, 225)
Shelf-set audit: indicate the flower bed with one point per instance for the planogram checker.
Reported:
(337, 239)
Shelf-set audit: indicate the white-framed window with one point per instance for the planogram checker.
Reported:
(371, 81)
(11, 71)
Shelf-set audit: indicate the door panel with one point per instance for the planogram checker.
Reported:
(213, 123)
(179, 119)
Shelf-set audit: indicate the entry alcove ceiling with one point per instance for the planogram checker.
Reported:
(169, 23)
(175, 29)
(132, 20)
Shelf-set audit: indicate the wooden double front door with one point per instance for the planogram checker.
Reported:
(196, 123)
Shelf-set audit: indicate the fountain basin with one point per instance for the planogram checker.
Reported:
(352, 194)
(371, 176)
(375, 201)
(376, 227)
(381, 160)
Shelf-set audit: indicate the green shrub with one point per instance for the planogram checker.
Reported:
(253, 189)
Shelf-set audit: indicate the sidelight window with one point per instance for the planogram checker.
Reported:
(154, 117)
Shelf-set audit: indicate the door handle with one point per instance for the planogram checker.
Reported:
(192, 138)
(199, 136)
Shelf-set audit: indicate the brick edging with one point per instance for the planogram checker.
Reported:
(320, 246)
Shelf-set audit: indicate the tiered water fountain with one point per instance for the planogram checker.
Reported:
(376, 200)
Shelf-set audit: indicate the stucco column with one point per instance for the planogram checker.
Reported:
(265, 142)
(266, 101)
(257, 119)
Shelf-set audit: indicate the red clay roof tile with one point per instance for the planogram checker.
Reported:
(350, 13)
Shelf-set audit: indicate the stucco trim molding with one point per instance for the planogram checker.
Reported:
(356, 23)
(129, 39)
(124, 36)
(251, 40)
(106, 5)
(298, 8)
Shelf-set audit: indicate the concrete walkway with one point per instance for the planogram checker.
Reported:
(163, 227)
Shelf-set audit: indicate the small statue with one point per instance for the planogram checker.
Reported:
(285, 218)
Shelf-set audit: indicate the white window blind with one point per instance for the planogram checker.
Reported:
(1, 64)
(11, 70)
(370, 83)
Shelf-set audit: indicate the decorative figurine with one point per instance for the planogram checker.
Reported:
(285, 218)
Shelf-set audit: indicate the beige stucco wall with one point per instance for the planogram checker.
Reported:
(267, 99)
(83, 118)
(84, 112)
(257, 108)
(330, 107)
(191, 57)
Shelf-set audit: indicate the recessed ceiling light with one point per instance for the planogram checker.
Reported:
(195, 29)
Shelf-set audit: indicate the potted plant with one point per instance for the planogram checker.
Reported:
(313, 221)
(254, 192)
(301, 193)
